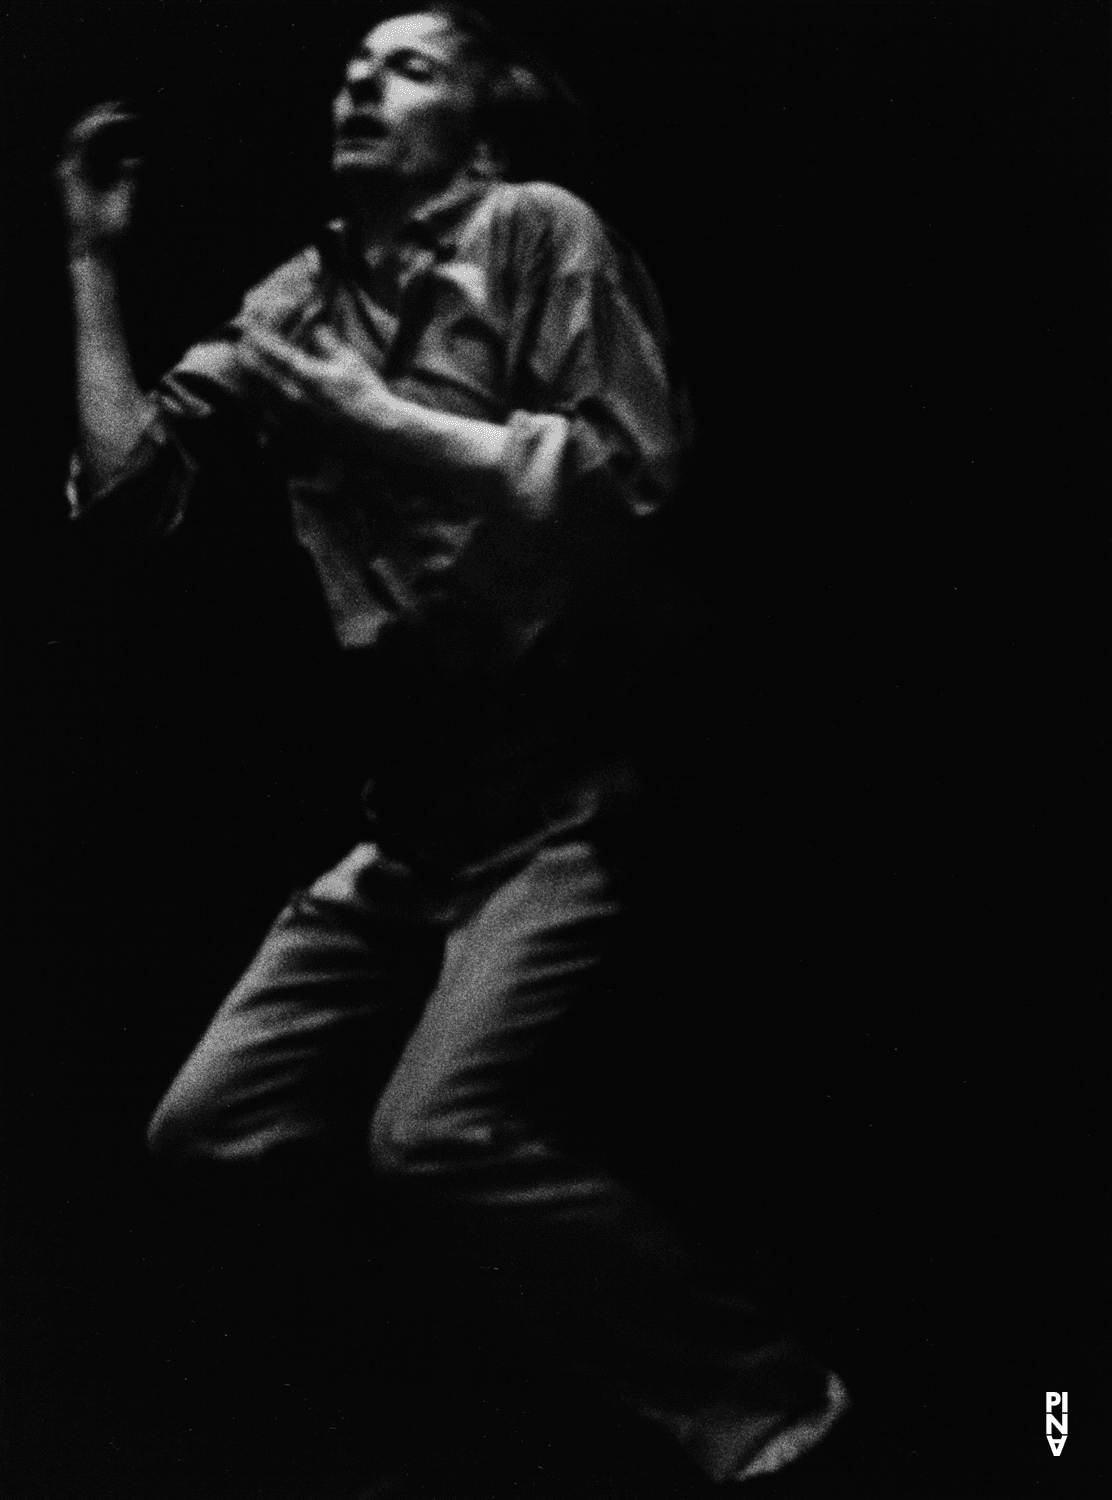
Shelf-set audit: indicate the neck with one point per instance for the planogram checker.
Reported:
(377, 209)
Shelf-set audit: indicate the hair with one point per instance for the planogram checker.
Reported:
(526, 111)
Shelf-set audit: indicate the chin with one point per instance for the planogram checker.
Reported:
(352, 161)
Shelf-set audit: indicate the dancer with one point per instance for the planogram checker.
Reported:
(464, 384)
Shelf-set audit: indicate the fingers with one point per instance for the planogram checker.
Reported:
(325, 340)
(269, 352)
(103, 146)
(111, 113)
(326, 344)
(330, 382)
(288, 359)
(330, 376)
(332, 352)
(273, 364)
(111, 120)
(272, 346)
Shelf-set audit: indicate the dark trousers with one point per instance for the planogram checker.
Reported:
(436, 1027)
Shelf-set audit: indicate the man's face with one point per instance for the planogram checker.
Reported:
(406, 109)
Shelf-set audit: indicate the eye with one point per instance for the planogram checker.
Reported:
(413, 65)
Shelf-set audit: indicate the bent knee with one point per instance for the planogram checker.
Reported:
(168, 1133)
(414, 1147)
(181, 1129)
(193, 1125)
(397, 1146)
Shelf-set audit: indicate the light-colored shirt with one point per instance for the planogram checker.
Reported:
(508, 622)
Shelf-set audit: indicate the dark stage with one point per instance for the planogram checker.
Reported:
(867, 1051)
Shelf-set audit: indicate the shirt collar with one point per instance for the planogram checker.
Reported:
(435, 223)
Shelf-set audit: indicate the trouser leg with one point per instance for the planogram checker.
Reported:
(298, 1052)
(470, 1125)
(273, 1254)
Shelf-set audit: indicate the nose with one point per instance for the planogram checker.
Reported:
(364, 77)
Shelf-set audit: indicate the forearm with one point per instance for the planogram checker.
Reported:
(534, 464)
(112, 411)
(462, 449)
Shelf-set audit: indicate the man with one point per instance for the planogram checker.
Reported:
(464, 385)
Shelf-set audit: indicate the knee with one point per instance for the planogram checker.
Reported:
(190, 1125)
(397, 1145)
(176, 1131)
(413, 1147)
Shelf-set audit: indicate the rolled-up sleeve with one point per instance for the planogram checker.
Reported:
(198, 411)
(193, 409)
(598, 417)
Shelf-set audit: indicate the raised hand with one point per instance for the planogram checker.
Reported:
(97, 173)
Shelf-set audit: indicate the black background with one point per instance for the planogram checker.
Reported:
(881, 234)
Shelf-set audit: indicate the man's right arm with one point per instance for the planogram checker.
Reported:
(97, 186)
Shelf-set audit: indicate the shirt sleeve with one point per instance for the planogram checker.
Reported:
(597, 416)
(199, 410)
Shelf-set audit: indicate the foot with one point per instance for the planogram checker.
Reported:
(798, 1437)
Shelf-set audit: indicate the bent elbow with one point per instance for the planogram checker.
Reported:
(550, 460)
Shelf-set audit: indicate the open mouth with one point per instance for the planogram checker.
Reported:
(360, 132)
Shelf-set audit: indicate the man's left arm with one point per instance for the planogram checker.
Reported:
(599, 420)
(334, 385)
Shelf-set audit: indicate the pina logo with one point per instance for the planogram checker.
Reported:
(1060, 1399)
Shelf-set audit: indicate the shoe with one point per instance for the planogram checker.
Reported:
(798, 1437)
(730, 1444)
